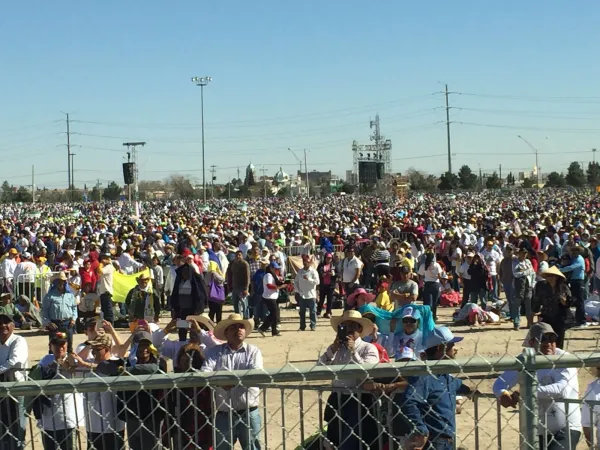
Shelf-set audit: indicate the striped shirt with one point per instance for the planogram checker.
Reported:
(381, 257)
(223, 358)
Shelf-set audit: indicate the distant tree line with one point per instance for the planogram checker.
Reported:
(465, 179)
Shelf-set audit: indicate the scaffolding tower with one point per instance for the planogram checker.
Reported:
(379, 151)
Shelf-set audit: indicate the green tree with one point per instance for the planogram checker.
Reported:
(347, 188)
(528, 183)
(7, 193)
(448, 182)
(112, 191)
(285, 191)
(510, 179)
(466, 178)
(420, 181)
(575, 176)
(493, 182)
(23, 195)
(556, 180)
(95, 194)
(593, 174)
(243, 191)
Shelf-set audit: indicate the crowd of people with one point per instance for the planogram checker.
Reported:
(376, 269)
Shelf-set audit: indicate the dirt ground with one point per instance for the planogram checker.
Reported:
(284, 427)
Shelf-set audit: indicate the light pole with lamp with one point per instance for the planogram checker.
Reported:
(536, 152)
(202, 81)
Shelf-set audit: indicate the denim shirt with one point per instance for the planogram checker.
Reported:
(577, 268)
(429, 404)
(57, 306)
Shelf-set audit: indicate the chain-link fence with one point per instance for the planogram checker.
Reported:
(372, 406)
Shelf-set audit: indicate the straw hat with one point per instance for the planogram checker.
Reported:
(553, 271)
(203, 319)
(353, 316)
(60, 276)
(219, 330)
(143, 276)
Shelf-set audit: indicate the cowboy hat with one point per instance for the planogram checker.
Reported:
(203, 319)
(143, 276)
(219, 331)
(60, 276)
(353, 316)
(552, 271)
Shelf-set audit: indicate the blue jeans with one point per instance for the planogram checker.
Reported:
(494, 294)
(513, 306)
(431, 296)
(311, 304)
(245, 428)
(240, 303)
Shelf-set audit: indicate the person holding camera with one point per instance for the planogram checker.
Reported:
(272, 284)
(346, 409)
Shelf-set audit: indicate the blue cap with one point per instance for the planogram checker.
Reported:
(275, 265)
(441, 335)
(411, 311)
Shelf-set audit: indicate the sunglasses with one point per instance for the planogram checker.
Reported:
(409, 320)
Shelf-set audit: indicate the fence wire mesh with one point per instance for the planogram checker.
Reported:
(351, 406)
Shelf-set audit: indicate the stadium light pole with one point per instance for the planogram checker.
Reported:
(536, 152)
(202, 81)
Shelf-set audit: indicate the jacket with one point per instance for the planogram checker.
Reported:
(136, 304)
(199, 295)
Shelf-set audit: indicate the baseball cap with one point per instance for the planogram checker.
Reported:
(410, 311)
(275, 265)
(4, 317)
(13, 251)
(59, 338)
(441, 335)
(142, 336)
(404, 270)
(538, 330)
(406, 353)
(101, 341)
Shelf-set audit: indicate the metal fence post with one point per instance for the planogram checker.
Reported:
(528, 408)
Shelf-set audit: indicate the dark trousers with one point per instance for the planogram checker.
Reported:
(215, 311)
(143, 435)
(325, 292)
(182, 314)
(106, 441)
(106, 307)
(577, 292)
(560, 440)
(12, 433)
(431, 296)
(273, 318)
(65, 327)
(466, 292)
(349, 418)
(58, 439)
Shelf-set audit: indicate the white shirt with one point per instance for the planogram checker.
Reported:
(554, 384)
(169, 348)
(128, 264)
(432, 273)
(349, 267)
(463, 271)
(223, 358)
(456, 255)
(14, 354)
(306, 288)
(105, 283)
(244, 247)
(272, 294)
(7, 268)
(67, 410)
(492, 258)
(592, 393)
(25, 272)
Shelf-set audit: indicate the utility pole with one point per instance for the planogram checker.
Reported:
(299, 171)
(212, 180)
(306, 170)
(32, 184)
(72, 176)
(263, 170)
(480, 178)
(202, 82)
(238, 173)
(68, 155)
(500, 172)
(536, 152)
(448, 131)
(132, 154)
(594, 155)
(98, 184)
(229, 185)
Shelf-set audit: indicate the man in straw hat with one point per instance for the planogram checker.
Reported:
(345, 412)
(59, 309)
(201, 333)
(142, 301)
(237, 416)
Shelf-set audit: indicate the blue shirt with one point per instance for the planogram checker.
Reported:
(429, 404)
(577, 268)
(57, 306)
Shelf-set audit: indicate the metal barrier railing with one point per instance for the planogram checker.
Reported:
(35, 285)
(293, 404)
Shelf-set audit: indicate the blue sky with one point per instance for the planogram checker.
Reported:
(294, 74)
